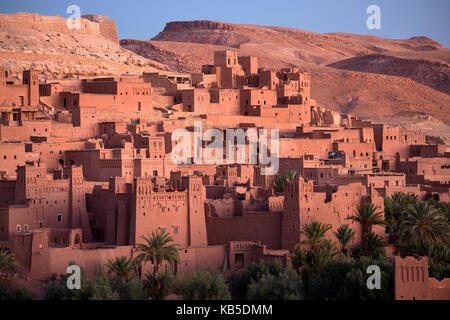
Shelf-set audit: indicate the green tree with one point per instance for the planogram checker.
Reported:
(366, 214)
(423, 224)
(310, 262)
(291, 175)
(354, 284)
(345, 236)
(286, 285)
(203, 285)
(7, 264)
(157, 249)
(327, 283)
(254, 272)
(375, 245)
(315, 232)
(395, 209)
(165, 284)
(11, 291)
(130, 289)
(100, 288)
(121, 267)
(279, 182)
(438, 259)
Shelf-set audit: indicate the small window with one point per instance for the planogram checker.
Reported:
(175, 230)
(59, 218)
(239, 260)
(18, 228)
(25, 228)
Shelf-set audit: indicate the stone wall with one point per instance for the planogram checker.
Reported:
(90, 24)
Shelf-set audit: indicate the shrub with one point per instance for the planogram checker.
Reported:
(284, 286)
(11, 291)
(253, 272)
(203, 285)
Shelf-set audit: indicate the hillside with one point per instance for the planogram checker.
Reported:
(434, 74)
(408, 86)
(46, 44)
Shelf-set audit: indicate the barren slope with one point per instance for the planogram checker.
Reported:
(59, 53)
(396, 90)
(434, 74)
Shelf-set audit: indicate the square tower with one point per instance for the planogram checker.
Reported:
(31, 79)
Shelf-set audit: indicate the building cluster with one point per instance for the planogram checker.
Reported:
(77, 189)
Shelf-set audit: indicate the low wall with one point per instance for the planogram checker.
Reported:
(264, 227)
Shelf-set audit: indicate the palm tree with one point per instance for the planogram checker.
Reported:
(291, 175)
(375, 245)
(437, 253)
(395, 209)
(279, 182)
(7, 263)
(122, 267)
(314, 231)
(404, 198)
(423, 224)
(345, 236)
(156, 249)
(367, 216)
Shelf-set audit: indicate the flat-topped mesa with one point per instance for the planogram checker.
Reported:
(176, 26)
(204, 31)
(90, 24)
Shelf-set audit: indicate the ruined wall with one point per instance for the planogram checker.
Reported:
(264, 227)
(107, 26)
(412, 281)
(90, 24)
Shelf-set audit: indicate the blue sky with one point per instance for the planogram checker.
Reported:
(143, 19)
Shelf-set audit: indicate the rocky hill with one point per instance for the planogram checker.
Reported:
(434, 74)
(90, 24)
(47, 44)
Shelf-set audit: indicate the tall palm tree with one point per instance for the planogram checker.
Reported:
(157, 249)
(366, 214)
(423, 224)
(314, 231)
(345, 236)
(121, 267)
(7, 263)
